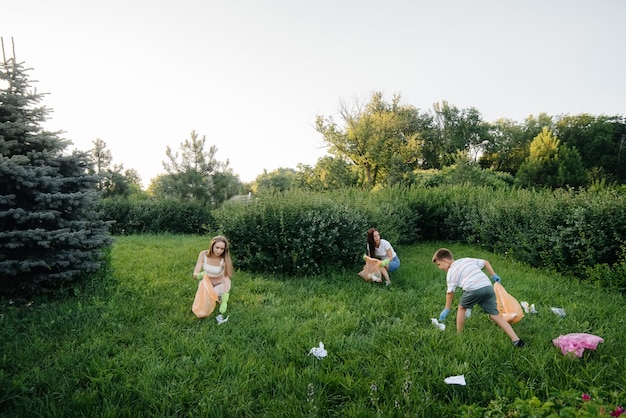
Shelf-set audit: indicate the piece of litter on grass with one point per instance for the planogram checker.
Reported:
(468, 313)
(220, 319)
(438, 324)
(455, 380)
(559, 311)
(576, 343)
(528, 308)
(319, 352)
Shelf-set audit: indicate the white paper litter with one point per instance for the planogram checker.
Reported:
(438, 324)
(220, 319)
(319, 352)
(528, 308)
(559, 311)
(455, 380)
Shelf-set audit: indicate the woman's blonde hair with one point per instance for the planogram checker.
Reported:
(228, 263)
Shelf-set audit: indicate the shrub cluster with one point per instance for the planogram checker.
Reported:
(565, 230)
(582, 234)
(561, 403)
(135, 216)
(294, 234)
(297, 233)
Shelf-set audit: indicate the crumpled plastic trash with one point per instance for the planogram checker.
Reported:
(438, 324)
(319, 352)
(220, 319)
(528, 308)
(559, 311)
(455, 380)
(375, 277)
(576, 343)
(468, 313)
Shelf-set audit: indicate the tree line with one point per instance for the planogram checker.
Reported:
(383, 143)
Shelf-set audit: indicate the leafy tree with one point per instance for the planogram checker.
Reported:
(507, 147)
(372, 134)
(113, 180)
(601, 141)
(464, 171)
(399, 173)
(455, 130)
(50, 231)
(551, 164)
(196, 174)
(279, 180)
(329, 173)
(509, 142)
(533, 125)
(102, 159)
(226, 185)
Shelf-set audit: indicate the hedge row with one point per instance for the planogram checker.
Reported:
(300, 234)
(156, 216)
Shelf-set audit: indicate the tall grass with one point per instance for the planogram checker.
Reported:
(129, 345)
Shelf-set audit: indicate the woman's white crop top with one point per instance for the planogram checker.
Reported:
(213, 271)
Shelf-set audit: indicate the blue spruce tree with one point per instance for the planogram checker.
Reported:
(51, 233)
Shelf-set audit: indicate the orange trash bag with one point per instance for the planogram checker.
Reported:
(371, 270)
(508, 306)
(205, 300)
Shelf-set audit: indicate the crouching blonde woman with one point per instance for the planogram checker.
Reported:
(214, 269)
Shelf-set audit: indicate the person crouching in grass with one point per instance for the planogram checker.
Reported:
(467, 273)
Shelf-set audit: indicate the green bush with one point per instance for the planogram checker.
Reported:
(563, 230)
(295, 234)
(611, 276)
(135, 216)
(565, 403)
(390, 211)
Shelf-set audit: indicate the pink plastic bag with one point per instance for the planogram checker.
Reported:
(576, 343)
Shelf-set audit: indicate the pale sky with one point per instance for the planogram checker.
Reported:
(251, 75)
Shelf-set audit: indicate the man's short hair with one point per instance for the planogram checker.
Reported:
(442, 254)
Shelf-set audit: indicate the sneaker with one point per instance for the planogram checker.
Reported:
(519, 343)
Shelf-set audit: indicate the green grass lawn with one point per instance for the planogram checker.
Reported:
(129, 345)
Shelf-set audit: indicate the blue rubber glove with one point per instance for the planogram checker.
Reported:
(495, 278)
(444, 314)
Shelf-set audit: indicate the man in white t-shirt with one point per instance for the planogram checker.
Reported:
(467, 273)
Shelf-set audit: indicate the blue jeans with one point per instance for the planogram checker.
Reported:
(394, 264)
